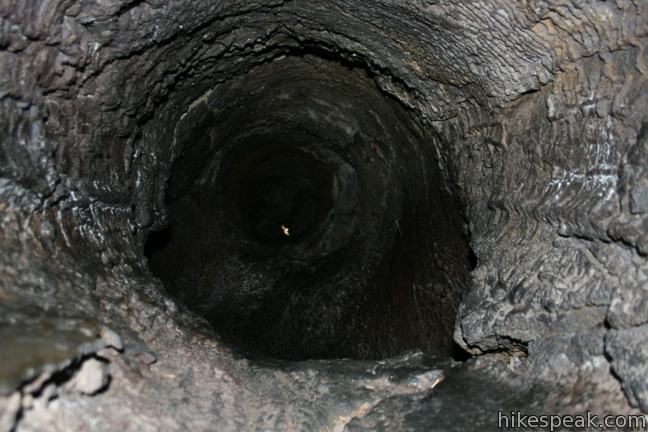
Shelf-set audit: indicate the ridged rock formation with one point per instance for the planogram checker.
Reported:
(336, 215)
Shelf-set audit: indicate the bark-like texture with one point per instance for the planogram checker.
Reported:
(515, 129)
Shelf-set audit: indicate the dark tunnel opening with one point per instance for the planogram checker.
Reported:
(279, 194)
(307, 218)
(298, 215)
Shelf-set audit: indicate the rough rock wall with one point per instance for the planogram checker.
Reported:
(539, 113)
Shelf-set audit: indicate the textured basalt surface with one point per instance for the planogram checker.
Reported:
(341, 215)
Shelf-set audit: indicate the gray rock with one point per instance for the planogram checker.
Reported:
(91, 378)
(639, 198)
(464, 185)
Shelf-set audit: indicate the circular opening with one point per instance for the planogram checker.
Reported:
(280, 193)
(307, 218)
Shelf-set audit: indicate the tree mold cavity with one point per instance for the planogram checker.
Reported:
(307, 217)
(198, 195)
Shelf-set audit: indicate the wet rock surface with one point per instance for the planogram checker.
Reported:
(290, 215)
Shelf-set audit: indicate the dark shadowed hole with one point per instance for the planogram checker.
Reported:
(157, 241)
(281, 194)
(307, 218)
(472, 259)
